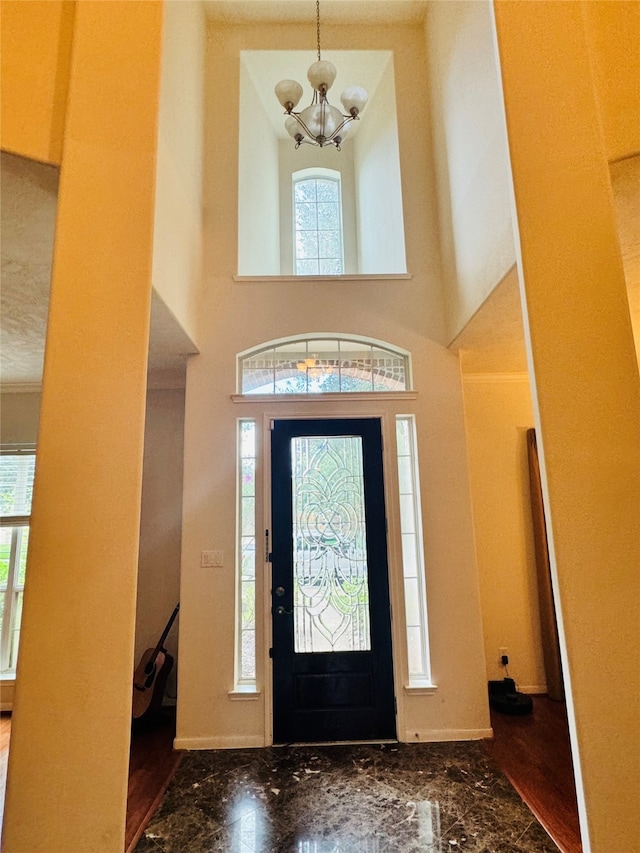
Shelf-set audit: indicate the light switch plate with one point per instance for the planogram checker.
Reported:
(211, 559)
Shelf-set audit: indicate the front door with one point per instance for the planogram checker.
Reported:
(332, 661)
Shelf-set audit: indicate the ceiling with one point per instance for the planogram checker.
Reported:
(303, 11)
(28, 199)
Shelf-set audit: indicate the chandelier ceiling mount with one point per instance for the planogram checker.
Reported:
(319, 124)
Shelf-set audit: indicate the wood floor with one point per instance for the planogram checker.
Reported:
(533, 751)
(152, 764)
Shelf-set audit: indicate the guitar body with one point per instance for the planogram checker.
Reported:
(149, 682)
(150, 677)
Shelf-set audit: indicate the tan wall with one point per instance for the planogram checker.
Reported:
(83, 548)
(36, 54)
(177, 243)
(613, 37)
(160, 523)
(586, 396)
(19, 415)
(498, 413)
(471, 156)
(238, 315)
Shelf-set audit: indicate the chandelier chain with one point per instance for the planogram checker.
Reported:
(318, 26)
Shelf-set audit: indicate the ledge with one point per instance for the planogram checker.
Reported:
(244, 694)
(380, 396)
(419, 689)
(387, 276)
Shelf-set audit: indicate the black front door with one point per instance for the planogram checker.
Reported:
(332, 661)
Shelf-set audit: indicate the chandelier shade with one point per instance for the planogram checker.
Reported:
(320, 123)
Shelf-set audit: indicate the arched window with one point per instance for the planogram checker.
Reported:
(323, 364)
(317, 222)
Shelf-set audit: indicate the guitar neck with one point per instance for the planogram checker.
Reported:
(160, 643)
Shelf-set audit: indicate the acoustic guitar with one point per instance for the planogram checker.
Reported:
(151, 675)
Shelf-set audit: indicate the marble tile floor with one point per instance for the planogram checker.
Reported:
(386, 798)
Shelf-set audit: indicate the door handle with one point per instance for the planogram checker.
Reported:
(282, 611)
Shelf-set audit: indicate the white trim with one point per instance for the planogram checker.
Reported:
(480, 378)
(444, 735)
(224, 742)
(400, 276)
(351, 396)
(21, 388)
(420, 689)
(240, 694)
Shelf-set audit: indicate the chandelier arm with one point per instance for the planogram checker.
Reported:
(302, 125)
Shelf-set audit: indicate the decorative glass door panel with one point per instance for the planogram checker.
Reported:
(331, 592)
(332, 662)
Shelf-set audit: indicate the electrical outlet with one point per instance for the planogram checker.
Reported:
(503, 652)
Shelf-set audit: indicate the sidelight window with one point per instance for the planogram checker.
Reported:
(412, 551)
(246, 551)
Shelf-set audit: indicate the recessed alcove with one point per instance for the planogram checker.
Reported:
(368, 164)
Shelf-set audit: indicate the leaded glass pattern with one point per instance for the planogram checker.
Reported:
(331, 592)
(246, 654)
(317, 226)
(323, 366)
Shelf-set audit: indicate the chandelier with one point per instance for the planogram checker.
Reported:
(320, 123)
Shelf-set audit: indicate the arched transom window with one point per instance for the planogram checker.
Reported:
(323, 364)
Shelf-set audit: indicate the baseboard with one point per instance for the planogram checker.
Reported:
(230, 742)
(533, 689)
(442, 735)
(7, 687)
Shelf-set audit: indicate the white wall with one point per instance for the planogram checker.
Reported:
(235, 316)
(498, 412)
(177, 246)
(381, 247)
(258, 185)
(471, 156)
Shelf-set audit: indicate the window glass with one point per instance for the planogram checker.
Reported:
(412, 551)
(322, 366)
(317, 215)
(246, 549)
(16, 489)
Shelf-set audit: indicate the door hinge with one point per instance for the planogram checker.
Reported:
(272, 424)
(395, 705)
(271, 652)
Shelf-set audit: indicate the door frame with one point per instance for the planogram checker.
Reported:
(394, 544)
